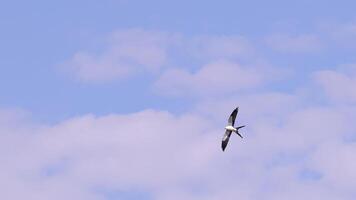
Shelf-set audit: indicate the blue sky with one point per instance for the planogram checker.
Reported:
(38, 35)
(75, 77)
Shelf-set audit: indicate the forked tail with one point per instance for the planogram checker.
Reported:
(240, 127)
(237, 130)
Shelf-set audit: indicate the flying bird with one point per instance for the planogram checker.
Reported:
(230, 128)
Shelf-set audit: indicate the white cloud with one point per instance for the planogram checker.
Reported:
(148, 149)
(295, 44)
(267, 107)
(136, 51)
(221, 77)
(333, 160)
(338, 84)
(219, 47)
(342, 34)
(128, 52)
(173, 157)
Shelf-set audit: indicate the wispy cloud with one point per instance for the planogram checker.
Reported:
(137, 51)
(128, 52)
(304, 43)
(342, 35)
(338, 84)
(221, 47)
(216, 78)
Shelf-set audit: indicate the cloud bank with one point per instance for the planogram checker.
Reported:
(291, 150)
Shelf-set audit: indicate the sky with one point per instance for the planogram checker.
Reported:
(127, 100)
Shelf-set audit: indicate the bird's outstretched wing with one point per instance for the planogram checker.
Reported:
(232, 117)
(225, 139)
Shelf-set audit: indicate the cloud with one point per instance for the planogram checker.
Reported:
(307, 43)
(81, 155)
(216, 78)
(333, 161)
(136, 51)
(343, 35)
(170, 157)
(129, 52)
(264, 107)
(338, 84)
(221, 47)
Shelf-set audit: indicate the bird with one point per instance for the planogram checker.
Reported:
(230, 128)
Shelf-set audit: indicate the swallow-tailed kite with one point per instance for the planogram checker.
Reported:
(230, 128)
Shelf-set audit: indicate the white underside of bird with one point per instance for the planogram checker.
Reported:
(230, 128)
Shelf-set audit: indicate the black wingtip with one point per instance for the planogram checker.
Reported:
(223, 146)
